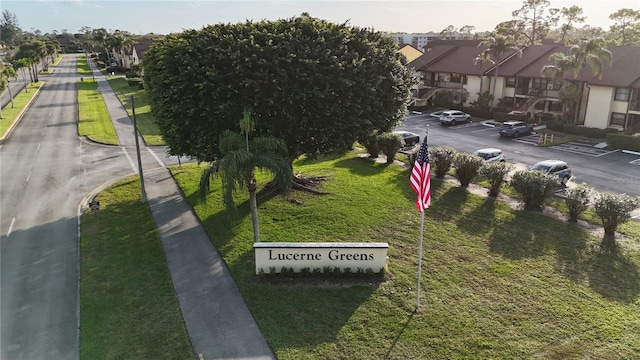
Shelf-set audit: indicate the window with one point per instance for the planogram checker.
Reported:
(617, 119)
(511, 82)
(455, 77)
(540, 84)
(622, 94)
(555, 106)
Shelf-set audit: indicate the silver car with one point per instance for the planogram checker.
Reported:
(490, 154)
(452, 117)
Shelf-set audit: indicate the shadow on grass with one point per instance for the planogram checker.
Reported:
(611, 274)
(399, 335)
(481, 219)
(362, 166)
(538, 234)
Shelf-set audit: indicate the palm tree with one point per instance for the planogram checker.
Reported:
(497, 45)
(22, 64)
(588, 52)
(6, 72)
(241, 156)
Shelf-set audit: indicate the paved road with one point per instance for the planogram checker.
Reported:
(46, 171)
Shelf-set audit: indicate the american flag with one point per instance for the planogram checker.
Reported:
(421, 178)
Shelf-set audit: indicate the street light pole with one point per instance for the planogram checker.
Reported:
(135, 134)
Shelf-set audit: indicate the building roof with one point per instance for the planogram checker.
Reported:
(530, 63)
(444, 56)
(624, 70)
(410, 52)
(429, 57)
(142, 45)
(460, 60)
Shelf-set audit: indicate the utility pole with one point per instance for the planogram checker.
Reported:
(135, 134)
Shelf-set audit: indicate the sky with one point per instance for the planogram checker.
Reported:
(164, 17)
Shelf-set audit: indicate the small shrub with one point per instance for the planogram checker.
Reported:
(347, 271)
(370, 143)
(134, 82)
(390, 144)
(495, 173)
(272, 270)
(614, 209)
(577, 200)
(305, 271)
(317, 271)
(327, 270)
(466, 167)
(337, 271)
(534, 187)
(442, 158)
(628, 142)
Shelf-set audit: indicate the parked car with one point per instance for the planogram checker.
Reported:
(409, 138)
(437, 114)
(490, 154)
(514, 128)
(554, 167)
(452, 117)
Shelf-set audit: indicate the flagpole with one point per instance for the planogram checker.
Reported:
(420, 259)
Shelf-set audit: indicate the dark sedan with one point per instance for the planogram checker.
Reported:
(409, 138)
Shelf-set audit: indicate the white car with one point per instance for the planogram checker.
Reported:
(490, 154)
(452, 117)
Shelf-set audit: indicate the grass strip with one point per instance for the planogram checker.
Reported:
(10, 112)
(83, 66)
(94, 120)
(144, 118)
(128, 305)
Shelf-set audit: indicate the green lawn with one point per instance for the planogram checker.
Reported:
(94, 120)
(497, 282)
(144, 118)
(83, 66)
(10, 113)
(128, 305)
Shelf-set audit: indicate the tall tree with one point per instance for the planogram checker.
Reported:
(236, 168)
(535, 18)
(626, 30)
(9, 29)
(6, 72)
(314, 84)
(569, 17)
(496, 47)
(448, 32)
(511, 30)
(467, 31)
(34, 51)
(22, 64)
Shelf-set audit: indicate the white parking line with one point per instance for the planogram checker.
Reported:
(635, 162)
(608, 152)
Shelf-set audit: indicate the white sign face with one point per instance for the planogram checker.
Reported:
(297, 256)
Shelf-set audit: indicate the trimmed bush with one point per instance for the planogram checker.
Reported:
(577, 200)
(389, 145)
(466, 167)
(442, 158)
(495, 172)
(613, 210)
(134, 81)
(534, 187)
(370, 143)
(627, 142)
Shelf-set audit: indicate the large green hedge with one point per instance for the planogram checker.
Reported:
(626, 142)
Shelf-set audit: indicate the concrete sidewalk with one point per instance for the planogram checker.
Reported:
(218, 321)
